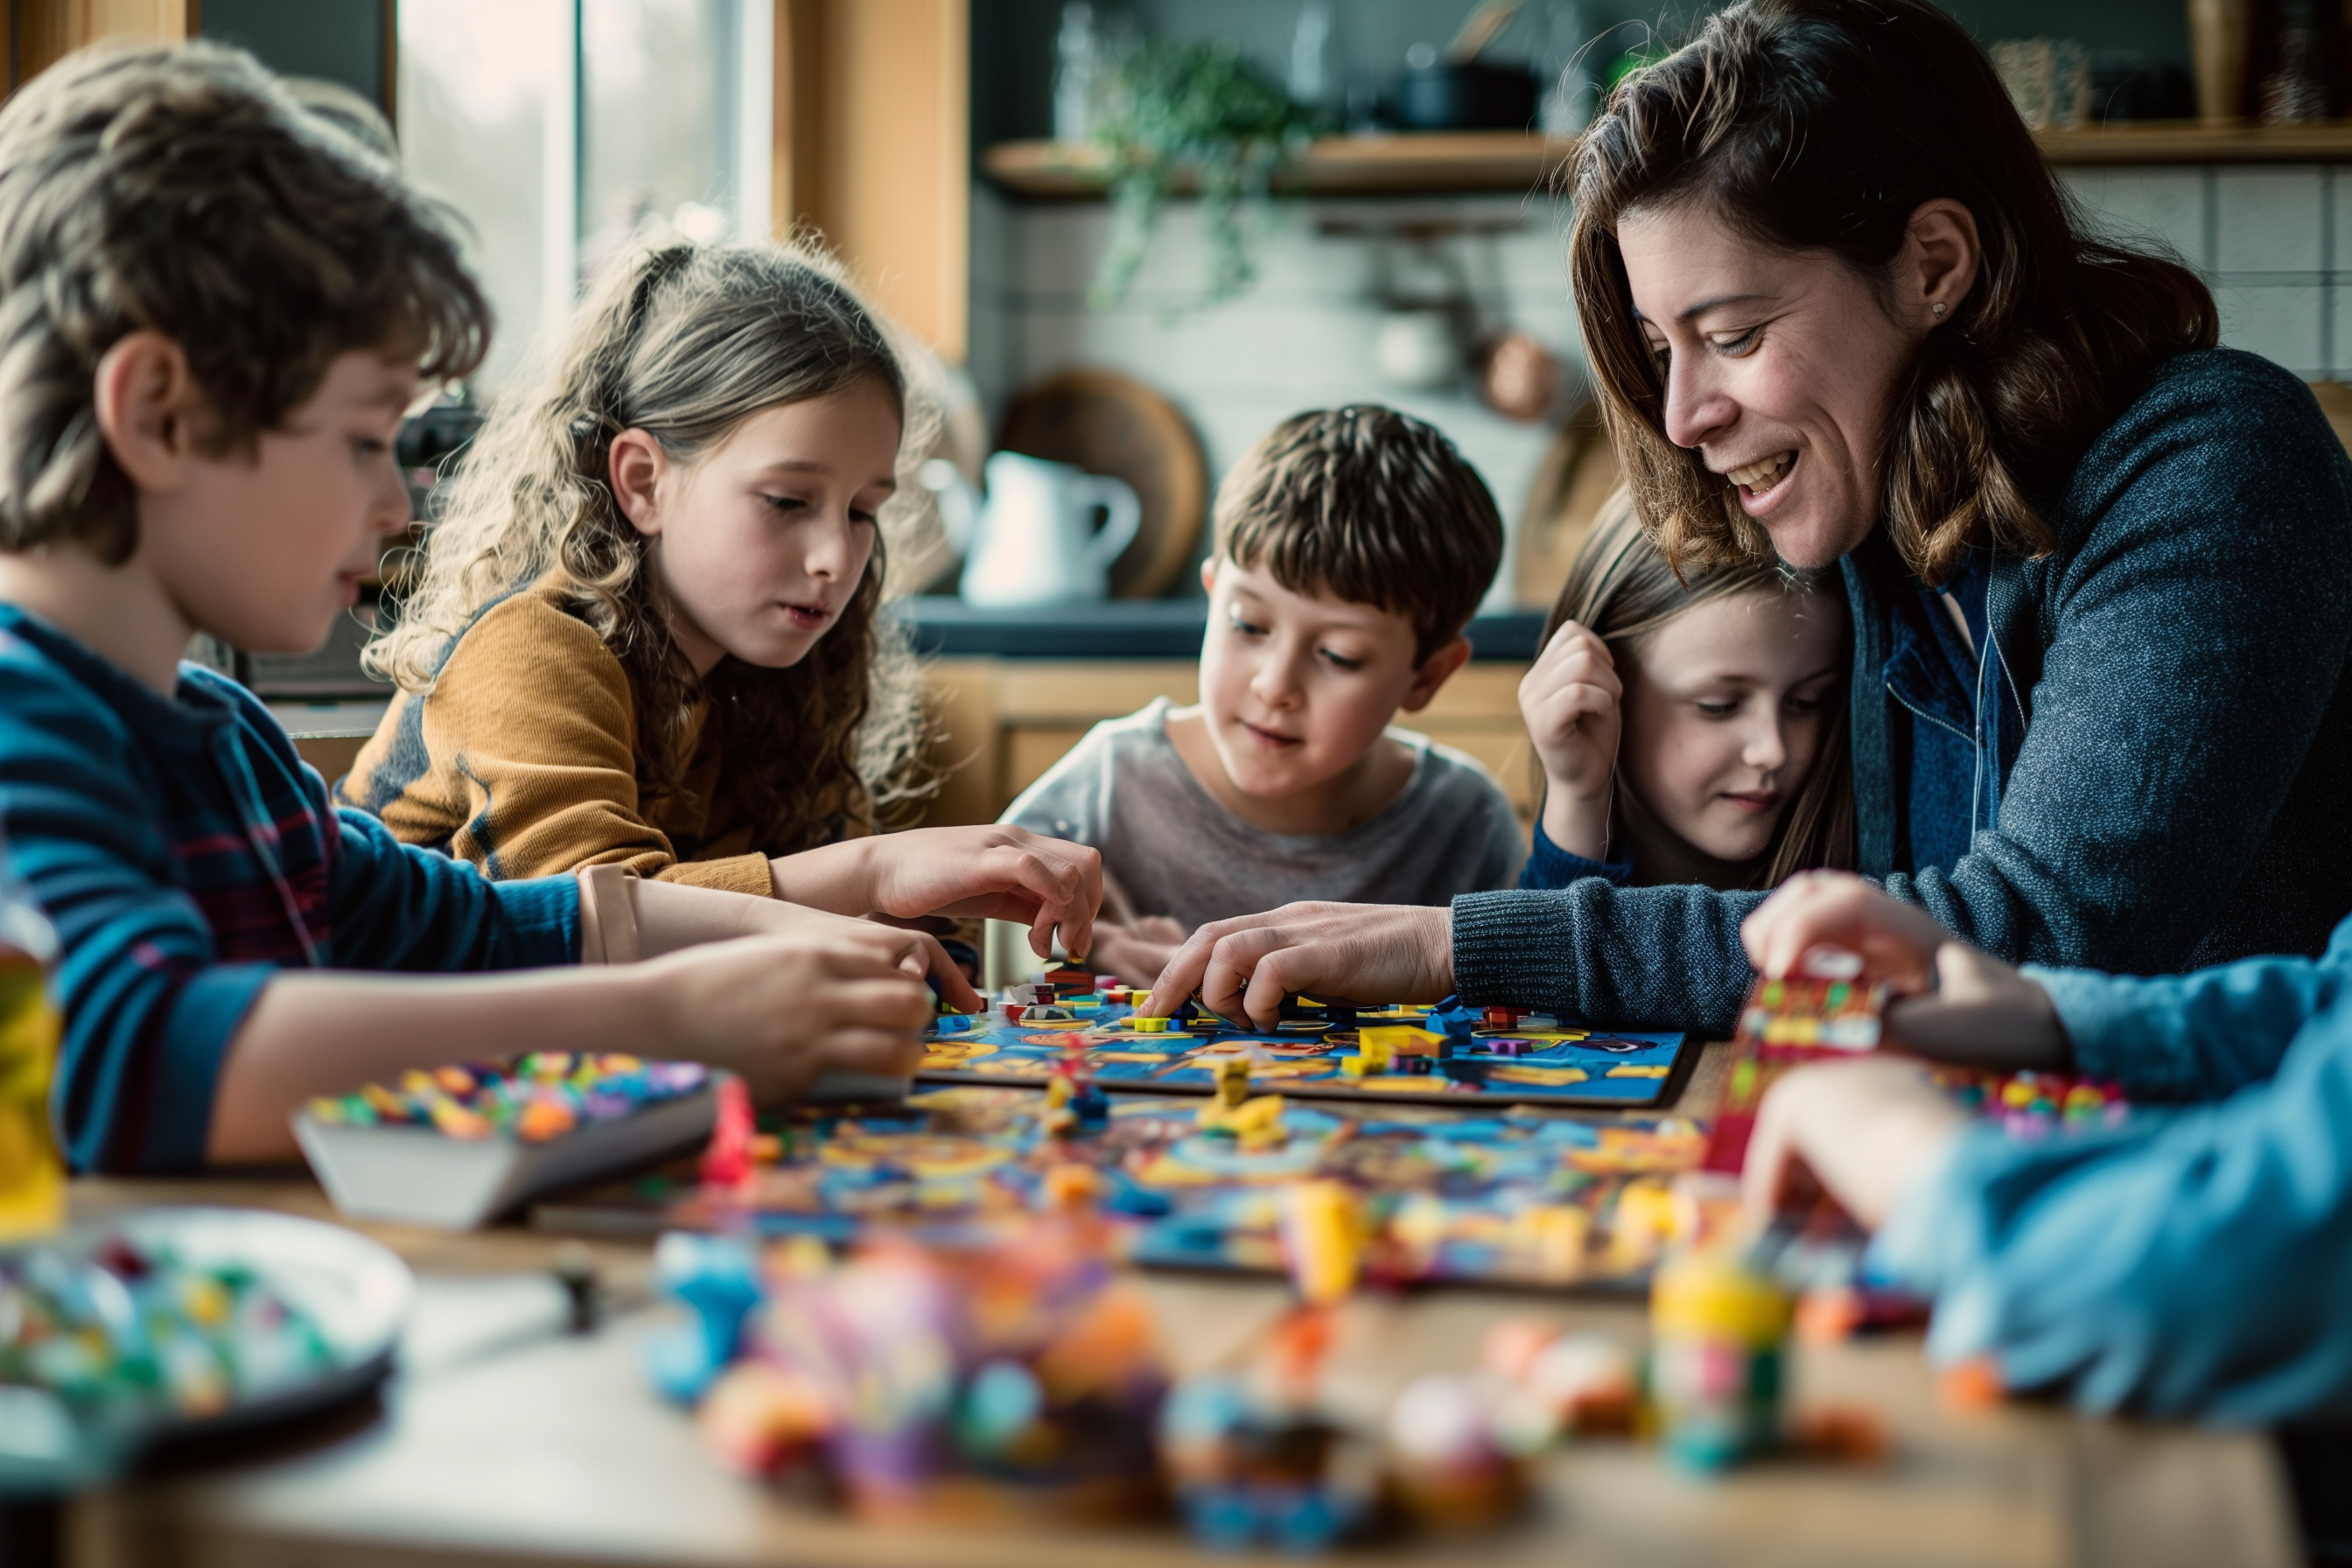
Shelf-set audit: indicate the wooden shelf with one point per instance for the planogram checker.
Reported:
(1334, 165)
(1444, 161)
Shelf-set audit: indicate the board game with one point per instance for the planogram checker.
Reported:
(1511, 1197)
(1443, 1055)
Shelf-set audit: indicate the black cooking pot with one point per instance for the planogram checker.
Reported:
(1474, 96)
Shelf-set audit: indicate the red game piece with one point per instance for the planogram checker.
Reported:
(728, 1162)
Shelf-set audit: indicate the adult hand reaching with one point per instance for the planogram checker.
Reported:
(1243, 968)
(1955, 1003)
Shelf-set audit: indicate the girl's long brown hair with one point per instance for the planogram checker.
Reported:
(1822, 125)
(684, 341)
(1622, 588)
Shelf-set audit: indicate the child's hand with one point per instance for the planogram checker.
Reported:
(1896, 942)
(1865, 1131)
(1570, 700)
(1049, 885)
(1136, 951)
(782, 1009)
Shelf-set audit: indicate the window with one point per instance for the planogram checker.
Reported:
(565, 129)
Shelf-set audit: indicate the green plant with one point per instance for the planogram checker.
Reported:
(1197, 107)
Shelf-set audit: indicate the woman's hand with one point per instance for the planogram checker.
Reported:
(1958, 1004)
(782, 1009)
(1363, 953)
(1049, 885)
(1867, 1131)
(1814, 908)
(1138, 950)
(1570, 700)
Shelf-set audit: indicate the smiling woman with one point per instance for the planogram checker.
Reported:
(2099, 573)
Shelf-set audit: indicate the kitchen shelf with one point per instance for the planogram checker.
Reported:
(1437, 162)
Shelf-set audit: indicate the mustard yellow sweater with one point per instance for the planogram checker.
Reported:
(523, 759)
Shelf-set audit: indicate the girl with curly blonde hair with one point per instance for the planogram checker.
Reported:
(647, 630)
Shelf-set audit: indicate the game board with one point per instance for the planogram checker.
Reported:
(1514, 1198)
(1432, 1056)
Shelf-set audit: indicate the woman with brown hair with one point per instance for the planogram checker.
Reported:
(2100, 572)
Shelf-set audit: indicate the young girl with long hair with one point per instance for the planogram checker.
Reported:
(1691, 728)
(648, 629)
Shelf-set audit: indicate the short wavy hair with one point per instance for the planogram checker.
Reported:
(1370, 506)
(183, 190)
(1822, 125)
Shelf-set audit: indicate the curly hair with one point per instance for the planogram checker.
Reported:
(184, 191)
(685, 341)
(1822, 125)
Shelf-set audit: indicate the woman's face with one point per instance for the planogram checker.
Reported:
(1781, 370)
(1725, 708)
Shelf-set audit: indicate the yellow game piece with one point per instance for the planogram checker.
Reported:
(1375, 1054)
(1232, 1073)
(1402, 1039)
(1322, 1239)
(1143, 1025)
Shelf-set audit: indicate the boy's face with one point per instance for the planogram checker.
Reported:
(265, 548)
(1295, 687)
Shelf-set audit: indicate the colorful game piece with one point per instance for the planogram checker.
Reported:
(1719, 1328)
(727, 1163)
(459, 1144)
(1322, 1240)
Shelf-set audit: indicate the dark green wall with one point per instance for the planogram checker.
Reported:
(342, 40)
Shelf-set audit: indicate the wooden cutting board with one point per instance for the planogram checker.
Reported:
(1578, 473)
(1106, 423)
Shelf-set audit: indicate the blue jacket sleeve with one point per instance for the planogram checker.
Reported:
(1550, 865)
(2204, 1036)
(2192, 1262)
(399, 906)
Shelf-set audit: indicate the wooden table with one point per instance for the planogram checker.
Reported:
(505, 1439)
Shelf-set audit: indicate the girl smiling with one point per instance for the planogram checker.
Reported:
(1689, 731)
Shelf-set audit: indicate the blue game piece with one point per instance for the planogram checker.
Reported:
(717, 1278)
(952, 1023)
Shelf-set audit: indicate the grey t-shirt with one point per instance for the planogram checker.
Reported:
(1176, 852)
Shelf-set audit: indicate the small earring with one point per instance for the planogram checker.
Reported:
(1938, 308)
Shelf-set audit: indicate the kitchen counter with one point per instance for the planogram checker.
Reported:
(944, 626)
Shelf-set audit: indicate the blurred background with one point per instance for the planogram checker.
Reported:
(1133, 235)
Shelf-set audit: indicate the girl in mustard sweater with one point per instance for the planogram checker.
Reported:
(647, 632)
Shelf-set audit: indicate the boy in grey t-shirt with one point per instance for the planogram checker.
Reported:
(1352, 546)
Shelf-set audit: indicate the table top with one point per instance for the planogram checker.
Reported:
(505, 1438)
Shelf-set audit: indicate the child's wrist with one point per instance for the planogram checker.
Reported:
(835, 878)
(1576, 823)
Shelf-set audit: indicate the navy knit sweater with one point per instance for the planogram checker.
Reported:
(2180, 790)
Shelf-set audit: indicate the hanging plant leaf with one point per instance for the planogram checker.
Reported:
(1202, 107)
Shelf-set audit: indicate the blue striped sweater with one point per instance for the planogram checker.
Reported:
(185, 855)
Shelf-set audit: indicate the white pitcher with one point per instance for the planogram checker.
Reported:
(1034, 541)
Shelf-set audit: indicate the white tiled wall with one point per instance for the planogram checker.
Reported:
(2275, 242)
(1301, 338)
